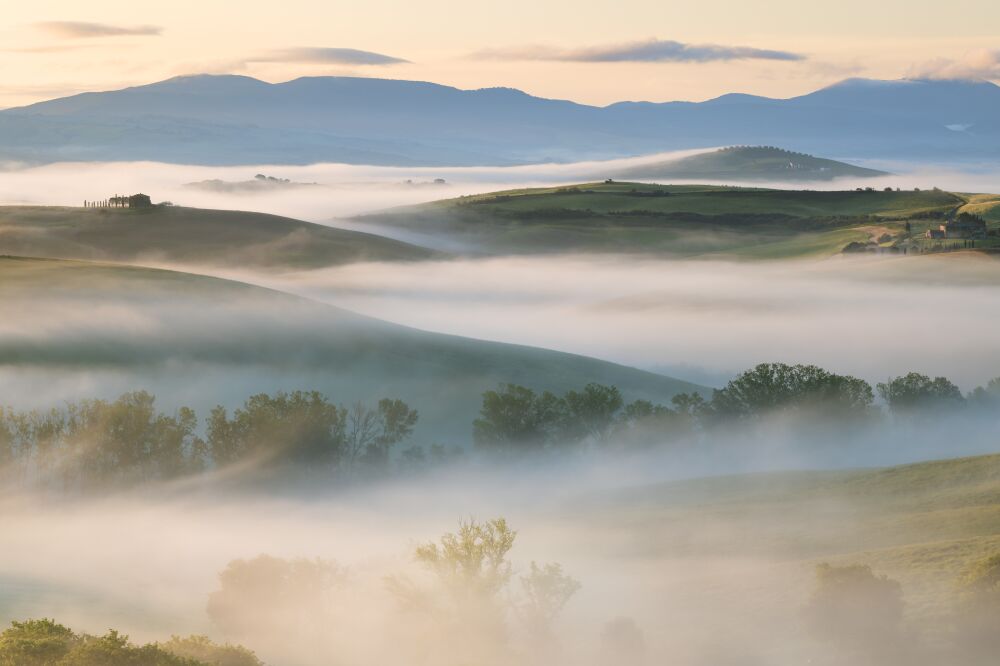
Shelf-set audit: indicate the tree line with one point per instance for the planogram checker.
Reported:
(102, 445)
(99, 444)
(516, 418)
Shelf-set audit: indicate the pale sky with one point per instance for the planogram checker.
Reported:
(592, 52)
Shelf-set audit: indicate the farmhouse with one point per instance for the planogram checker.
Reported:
(964, 227)
(120, 201)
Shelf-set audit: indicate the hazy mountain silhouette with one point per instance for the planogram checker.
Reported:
(239, 120)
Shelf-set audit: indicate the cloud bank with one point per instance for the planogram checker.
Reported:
(329, 56)
(982, 64)
(651, 50)
(84, 29)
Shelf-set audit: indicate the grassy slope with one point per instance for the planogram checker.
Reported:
(922, 524)
(78, 317)
(749, 163)
(692, 220)
(189, 236)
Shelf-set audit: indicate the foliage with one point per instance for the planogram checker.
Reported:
(466, 605)
(913, 392)
(203, 650)
(546, 591)
(981, 396)
(35, 643)
(473, 561)
(516, 419)
(777, 387)
(96, 443)
(306, 429)
(46, 643)
(268, 594)
(854, 609)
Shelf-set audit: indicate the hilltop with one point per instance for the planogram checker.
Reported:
(208, 341)
(240, 120)
(748, 163)
(190, 236)
(676, 220)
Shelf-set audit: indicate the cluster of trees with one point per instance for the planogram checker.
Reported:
(859, 616)
(47, 643)
(514, 418)
(465, 603)
(98, 444)
(102, 445)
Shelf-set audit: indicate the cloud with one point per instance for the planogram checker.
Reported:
(652, 50)
(982, 64)
(329, 56)
(83, 29)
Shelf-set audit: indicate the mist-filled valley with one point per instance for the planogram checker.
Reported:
(300, 366)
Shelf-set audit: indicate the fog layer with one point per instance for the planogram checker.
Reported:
(704, 320)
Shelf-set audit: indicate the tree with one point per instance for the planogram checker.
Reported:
(515, 418)
(590, 413)
(546, 591)
(856, 611)
(622, 642)
(272, 596)
(45, 643)
(981, 396)
(204, 650)
(471, 563)
(461, 615)
(35, 643)
(286, 429)
(915, 392)
(770, 388)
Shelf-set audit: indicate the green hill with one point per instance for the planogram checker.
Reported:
(189, 236)
(675, 220)
(741, 163)
(922, 524)
(192, 339)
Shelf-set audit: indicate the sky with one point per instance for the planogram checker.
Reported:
(592, 52)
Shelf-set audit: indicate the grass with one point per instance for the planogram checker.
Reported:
(189, 236)
(677, 220)
(922, 524)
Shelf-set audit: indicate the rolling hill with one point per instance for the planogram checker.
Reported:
(742, 163)
(101, 329)
(922, 524)
(240, 120)
(677, 220)
(190, 236)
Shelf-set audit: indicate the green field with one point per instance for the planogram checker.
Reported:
(677, 220)
(193, 339)
(189, 236)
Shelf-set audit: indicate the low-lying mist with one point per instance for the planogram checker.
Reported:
(712, 572)
(338, 190)
(701, 320)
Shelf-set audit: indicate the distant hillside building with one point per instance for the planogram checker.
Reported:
(963, 227)
(120, 201)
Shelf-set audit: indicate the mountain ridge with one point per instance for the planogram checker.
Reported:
(235, 119)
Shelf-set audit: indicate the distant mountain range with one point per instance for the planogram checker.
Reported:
(764, 163)
(240, 120)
